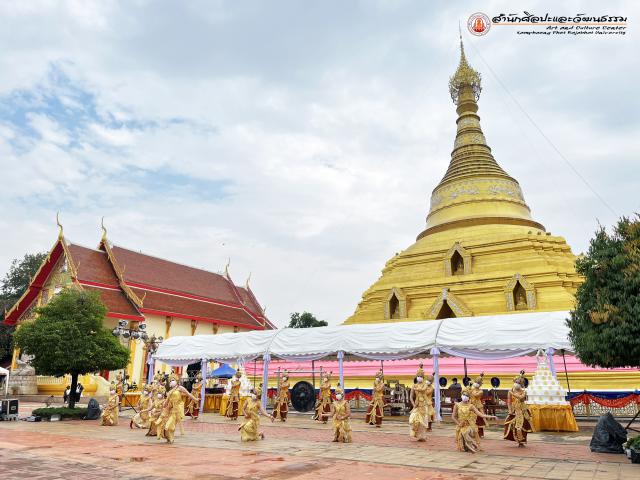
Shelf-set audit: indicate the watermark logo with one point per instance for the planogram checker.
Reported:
(478, 24)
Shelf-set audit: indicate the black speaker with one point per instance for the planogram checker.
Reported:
(442, 382)
(466, 381)
(495, 382)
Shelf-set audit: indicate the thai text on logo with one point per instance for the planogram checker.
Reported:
(514, 18)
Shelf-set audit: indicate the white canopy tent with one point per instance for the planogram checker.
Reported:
(5, 373)
(488, 337)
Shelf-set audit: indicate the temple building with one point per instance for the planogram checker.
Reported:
(481, 252)
(169, 298)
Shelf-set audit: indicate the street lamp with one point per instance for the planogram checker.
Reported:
(128, 333)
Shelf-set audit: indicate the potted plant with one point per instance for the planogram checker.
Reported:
(632, 449)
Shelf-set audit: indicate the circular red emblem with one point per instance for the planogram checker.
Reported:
(478, 24)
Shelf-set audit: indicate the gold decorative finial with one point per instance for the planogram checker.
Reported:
(104, 230)
(247, 282)
(465, 76)
(226, 268)
(59, 224)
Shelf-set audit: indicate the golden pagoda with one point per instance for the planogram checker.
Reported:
(481, 252)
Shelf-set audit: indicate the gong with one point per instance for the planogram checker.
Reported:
(303, 397)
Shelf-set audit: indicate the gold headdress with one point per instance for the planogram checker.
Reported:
(173, 376)
(520, 378)
(113, 386)
(327, 375)
(478, 379)
(258, 391)
(199, 376)
(420, 372)
(379, 375)
(339, 390)
(161, 389)
(429, 378)
(285, 373)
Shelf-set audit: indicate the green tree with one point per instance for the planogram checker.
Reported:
(14, 284)
(305, 320)
(68, 337)
(605, 325)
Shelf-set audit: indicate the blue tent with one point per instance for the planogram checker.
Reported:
(224, 371)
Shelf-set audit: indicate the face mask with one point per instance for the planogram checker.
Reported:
(428, 382)
(465, 398)
(517, 386)
(173, 383)
(419, 379)
(159, 395)
(253, 396)
(113, 392)
(476, 385)
(338, 397)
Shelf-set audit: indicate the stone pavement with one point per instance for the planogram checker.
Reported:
(299, 449)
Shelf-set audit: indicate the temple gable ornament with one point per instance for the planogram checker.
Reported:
(457, 261)
(447, 301)
(520, 294)
(395, 306)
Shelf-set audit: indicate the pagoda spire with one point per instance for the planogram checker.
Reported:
(474, 188)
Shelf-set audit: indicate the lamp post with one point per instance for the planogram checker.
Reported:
(137, 332)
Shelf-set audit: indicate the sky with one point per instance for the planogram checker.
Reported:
(300, 139)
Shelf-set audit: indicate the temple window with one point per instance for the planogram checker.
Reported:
(457, 264)
(520, 297)
(445, 311)
(394, 307)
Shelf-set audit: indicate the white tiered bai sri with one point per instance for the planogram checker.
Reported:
(544, 388)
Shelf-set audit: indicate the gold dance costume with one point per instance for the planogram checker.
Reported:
(172, 415)
(281, 408)
(155, 413)
(375, 411)
(193, 406)
(341, 423)
(141, 419)
(475, 398)
(466, 434)
(234, 399)
(250, 428)
(111, 410)
(323, 405)
(517, 424)
(419, 419)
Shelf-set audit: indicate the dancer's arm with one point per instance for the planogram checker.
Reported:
(480, 414)
(454, 414)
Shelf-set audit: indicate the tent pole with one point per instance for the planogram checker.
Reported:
(341, 368)
(566, 375)
(266, 358)
(382, 367)
(465, 370)
(313, 374)
(254, 372)
(203, 392)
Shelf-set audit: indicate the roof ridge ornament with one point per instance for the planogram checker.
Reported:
(246, 284)
(226, 268)
(104, 230)
(60, 233)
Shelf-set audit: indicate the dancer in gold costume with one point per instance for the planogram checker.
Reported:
(250, 428)
(141, 419)
(173, 410)
(341, 413)
(464, 415)
(323, 405)
(475, 395)
(422, 413)
(155, 409)
(193, 407)
(282, 400)
(517, 424)
(112, 408)
(375, 411)
(234, 397)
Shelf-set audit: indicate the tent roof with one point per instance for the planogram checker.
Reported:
(224, 371)
(496, 336)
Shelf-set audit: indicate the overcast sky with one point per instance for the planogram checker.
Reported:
(301, 139)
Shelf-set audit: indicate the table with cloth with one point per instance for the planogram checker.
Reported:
(225, 401)
(212, 402)
(552, 418)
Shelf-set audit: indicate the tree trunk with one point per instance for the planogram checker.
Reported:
(72, 392)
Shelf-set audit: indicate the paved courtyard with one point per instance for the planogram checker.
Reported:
(300, 450)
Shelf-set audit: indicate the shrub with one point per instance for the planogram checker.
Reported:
(64, 412)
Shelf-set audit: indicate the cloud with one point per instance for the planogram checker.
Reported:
(301, 140)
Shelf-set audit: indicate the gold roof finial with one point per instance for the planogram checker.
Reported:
(104, 230)
(59, 224)
(226, 267)
(246, 285)
(465, 76)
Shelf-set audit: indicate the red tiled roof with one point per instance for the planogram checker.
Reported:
(162, 303)
(93, 267)
(156, 272)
